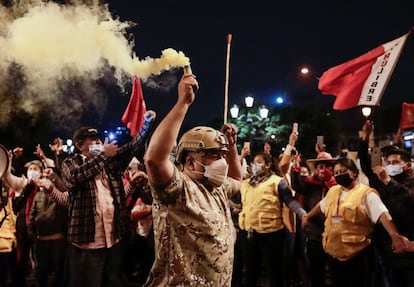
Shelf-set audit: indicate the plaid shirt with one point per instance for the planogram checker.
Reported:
(79, 176)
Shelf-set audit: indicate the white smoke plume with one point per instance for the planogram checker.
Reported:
(60, 57)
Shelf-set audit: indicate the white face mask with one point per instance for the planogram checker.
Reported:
(257, 168)
(95, 148)
(216, 172)
(31, 174)
(394, 169)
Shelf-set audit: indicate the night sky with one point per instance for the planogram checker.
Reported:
(270, 42)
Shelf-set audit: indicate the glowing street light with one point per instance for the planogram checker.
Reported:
(249, 100)
(304, 70)
(366, 112)
(264, 112)
(279, 100)
(234, 111)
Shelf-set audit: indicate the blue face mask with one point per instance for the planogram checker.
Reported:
(394, 169)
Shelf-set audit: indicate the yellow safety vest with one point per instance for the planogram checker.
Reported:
(261, 207)
(348, 228)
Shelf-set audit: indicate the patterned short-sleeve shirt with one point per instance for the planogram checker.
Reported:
(193, 234)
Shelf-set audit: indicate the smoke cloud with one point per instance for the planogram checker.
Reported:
(61, 57)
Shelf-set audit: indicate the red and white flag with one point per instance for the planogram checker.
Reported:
(362, 81)
(407, 116)
(133, 116)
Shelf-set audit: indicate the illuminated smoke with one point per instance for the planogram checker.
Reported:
(53, 57)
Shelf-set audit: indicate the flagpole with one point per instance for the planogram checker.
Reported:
(226, 86)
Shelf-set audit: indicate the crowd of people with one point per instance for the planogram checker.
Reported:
(202, 213)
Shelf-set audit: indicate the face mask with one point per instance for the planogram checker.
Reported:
(343, 179)
(95, 148)
(31, 174)
(257, 168)
(216, 172)
(394, 169)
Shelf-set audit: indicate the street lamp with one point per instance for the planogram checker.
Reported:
(264, 112)
(251, 120)
(234, 111)
(366, 112)
(306, 71)
(249, 100)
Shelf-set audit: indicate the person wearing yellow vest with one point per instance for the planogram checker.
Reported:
(351, 210)
(261, 221)
(8, 240)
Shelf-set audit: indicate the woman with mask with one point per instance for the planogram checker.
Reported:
(351, 210)
(261, 221)
(25, 190)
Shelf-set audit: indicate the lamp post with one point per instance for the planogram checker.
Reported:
(366, 112)
(297, 82)
(249, 101)
(250, 122)
(306, 71)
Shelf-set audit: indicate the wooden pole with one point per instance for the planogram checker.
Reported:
(226, 86)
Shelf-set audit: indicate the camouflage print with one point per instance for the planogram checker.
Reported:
(193, 234)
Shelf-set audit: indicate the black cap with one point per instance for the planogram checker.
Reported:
(83, 133)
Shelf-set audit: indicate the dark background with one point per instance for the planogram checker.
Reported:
(270, 41)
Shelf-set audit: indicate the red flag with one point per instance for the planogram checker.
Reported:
(407, 116)
(133, 116)
(362, 81)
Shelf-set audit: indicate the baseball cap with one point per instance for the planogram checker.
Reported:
(83, 133)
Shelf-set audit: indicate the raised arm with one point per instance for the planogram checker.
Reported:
(159, 167)
(17, 183)
(284, 163)
(233, 159)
